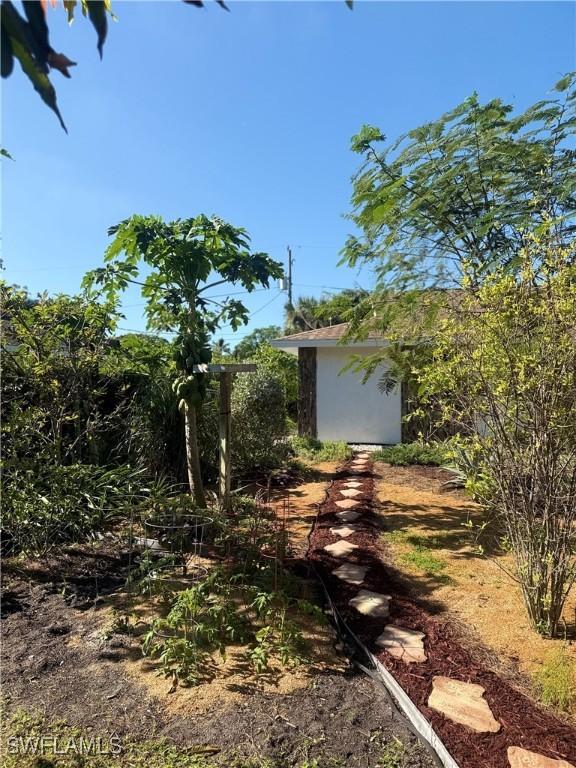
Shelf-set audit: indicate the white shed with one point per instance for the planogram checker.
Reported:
(336, 405)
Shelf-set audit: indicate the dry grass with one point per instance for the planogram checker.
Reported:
(422, 520)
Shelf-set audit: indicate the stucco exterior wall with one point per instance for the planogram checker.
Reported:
(349, 410)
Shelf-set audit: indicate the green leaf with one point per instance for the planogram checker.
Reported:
(564, 83)
(5, 153)
(97, 15)
(22, 51)
(7, 58)
(69, 6)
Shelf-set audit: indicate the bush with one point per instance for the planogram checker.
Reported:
(315, 450)
(403, 454)
(258, 421)
(503, 371)
(49, 505)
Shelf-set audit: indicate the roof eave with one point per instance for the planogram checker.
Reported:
(295, 343)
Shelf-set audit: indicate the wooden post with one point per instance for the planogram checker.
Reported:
(225, 372)
(225, 430)
(307, 419)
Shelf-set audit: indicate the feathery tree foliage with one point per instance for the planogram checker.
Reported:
(457, 196)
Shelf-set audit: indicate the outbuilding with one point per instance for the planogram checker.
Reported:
(334, 404)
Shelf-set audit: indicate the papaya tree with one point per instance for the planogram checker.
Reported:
(184, 259)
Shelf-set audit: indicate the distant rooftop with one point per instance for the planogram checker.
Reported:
(328, 336)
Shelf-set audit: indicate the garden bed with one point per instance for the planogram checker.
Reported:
(522, 722)
(65, 657)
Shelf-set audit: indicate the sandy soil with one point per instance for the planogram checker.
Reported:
(471, 588)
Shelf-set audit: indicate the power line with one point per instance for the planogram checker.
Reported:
(265, 305)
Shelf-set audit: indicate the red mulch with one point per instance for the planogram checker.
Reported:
(523, 723)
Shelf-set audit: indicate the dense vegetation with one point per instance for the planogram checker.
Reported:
(469, 223)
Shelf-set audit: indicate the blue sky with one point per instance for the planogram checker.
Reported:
(248, 115)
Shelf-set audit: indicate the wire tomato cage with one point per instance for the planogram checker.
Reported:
(171, 550)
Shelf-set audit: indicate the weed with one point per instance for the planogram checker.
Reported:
(396, 536)
(556, 680)
(392, 755)
(422, 558)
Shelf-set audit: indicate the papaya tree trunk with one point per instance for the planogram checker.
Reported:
(193, 455)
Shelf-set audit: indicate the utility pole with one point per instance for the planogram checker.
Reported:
(289, 276)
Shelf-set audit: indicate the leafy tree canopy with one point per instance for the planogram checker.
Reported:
(310, 313)
(456, 198)
(246, 348)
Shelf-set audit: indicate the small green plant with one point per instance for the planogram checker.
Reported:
(392, 755)
(279, 637)
(556, 680)
(422, 558)
(315, 450)
(404, 454)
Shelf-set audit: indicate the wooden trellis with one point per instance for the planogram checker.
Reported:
(225, 372)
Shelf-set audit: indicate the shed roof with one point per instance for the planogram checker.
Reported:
(325, 337)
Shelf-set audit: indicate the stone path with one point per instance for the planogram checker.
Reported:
(348, 516)
(371, 603)
(340, 548)
(523, 758)
(402, 643)
(463, 703)
(353, 574)
(347, 503)
(343, 530)
(459, 701)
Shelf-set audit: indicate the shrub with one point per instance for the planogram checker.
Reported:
(258, 421)
(503, 371)
(315, 450)
(403, 454)
(51, 504)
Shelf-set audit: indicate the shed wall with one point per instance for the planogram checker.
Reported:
(349, 410)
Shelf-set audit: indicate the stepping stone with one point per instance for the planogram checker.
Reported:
(343, 530)
(402, 643)
(348, 515)
(353, 484)
(351, 492)
(362, 455)
(371, 603)
(347, 503)
(522, 758)
(340, 548)
(353, 574)
(462, 703)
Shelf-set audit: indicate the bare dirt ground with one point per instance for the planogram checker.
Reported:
(474, 591)
(64, 657)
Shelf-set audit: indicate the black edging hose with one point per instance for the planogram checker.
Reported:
(355, 648)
